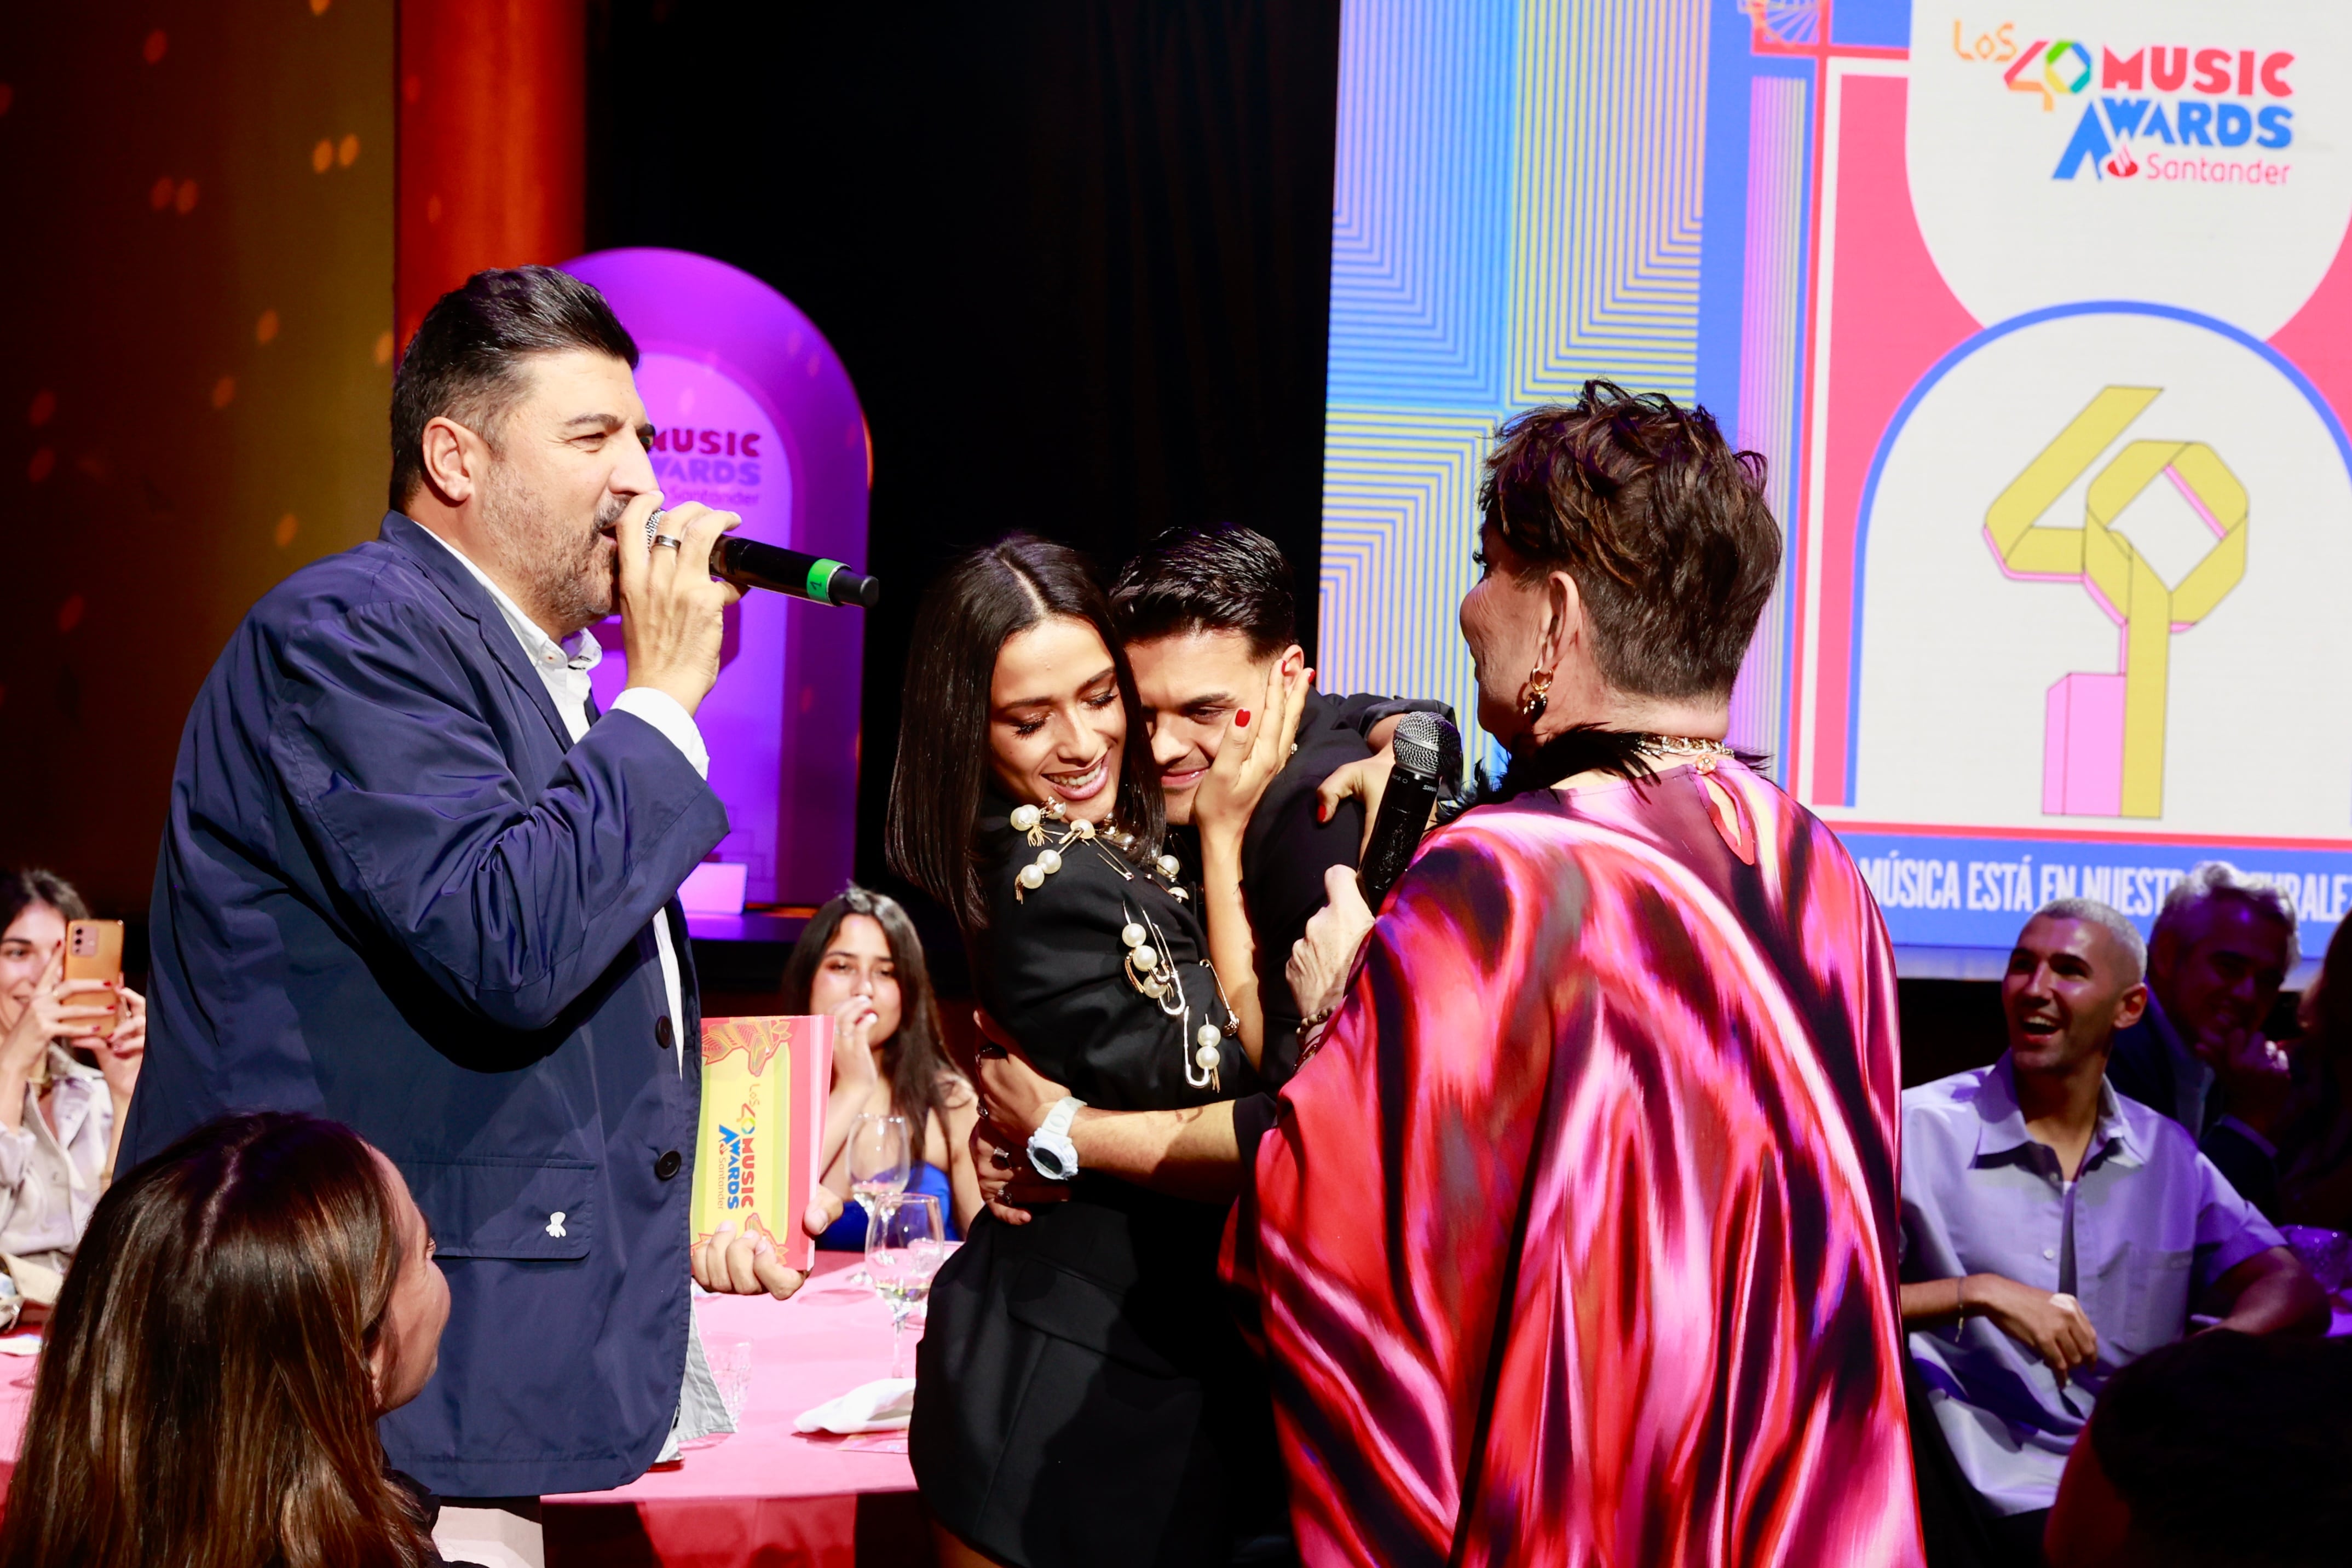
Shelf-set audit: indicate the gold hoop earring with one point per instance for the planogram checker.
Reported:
(1537, 696)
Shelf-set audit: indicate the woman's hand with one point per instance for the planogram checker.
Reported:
(1322, 960)
(1013, 1094)
(853, 1042)
(1254, 751)
(1009, 1185)
(59, 1010)
(120, 1053)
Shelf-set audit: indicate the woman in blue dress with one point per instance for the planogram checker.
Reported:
(861, 961)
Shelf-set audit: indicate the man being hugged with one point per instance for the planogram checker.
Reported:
(413, 881)
(2054, 1231)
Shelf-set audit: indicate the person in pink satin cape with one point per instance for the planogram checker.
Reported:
(1574, 1239)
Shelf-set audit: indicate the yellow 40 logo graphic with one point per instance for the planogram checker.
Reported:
(2103, 736)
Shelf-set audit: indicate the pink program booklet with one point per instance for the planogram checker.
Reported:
(764, 1082)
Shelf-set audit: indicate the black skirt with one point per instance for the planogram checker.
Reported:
(1085, 1397)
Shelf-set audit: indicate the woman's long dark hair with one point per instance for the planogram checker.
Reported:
(206, 1399)
(21, 889)
(986, 598)
(913, 1058)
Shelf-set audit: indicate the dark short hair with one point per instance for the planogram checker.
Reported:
(21, 889)
(466, 361)
(2232, 1448)
(1661, 525)
(1193, 580)
(982, 600)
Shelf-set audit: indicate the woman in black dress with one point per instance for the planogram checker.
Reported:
(1083, 1396)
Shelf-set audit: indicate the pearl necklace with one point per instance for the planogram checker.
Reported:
(1145, 960)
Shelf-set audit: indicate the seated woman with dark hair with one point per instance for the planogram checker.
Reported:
(861, 961)
(60, 1116)
(243, 1307)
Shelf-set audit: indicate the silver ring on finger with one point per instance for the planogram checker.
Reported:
(669, 541)
(1000, 1159)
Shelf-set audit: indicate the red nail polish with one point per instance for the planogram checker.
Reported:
(1241, 720)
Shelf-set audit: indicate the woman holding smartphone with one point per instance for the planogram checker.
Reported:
(1084, 1396)
(61, 1117)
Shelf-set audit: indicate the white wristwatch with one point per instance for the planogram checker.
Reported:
(1051, 1152)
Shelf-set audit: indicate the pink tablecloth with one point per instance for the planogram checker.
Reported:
(769, 1496)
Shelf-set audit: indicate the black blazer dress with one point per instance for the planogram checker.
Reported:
(1083, 1394)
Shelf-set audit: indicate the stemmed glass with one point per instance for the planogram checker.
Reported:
(881, 1161)
(905, 1244)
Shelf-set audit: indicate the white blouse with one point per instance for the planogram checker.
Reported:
(49, 1179)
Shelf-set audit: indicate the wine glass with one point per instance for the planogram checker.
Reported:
(881, 1160)
(905, 1244)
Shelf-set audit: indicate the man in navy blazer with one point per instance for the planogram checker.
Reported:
(413, 881)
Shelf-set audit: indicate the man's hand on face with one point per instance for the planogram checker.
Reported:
(672, 612)
(2253, 1072)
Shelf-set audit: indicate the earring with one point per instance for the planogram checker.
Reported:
(1537, 697)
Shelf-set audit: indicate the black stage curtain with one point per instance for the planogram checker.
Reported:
(1076, 255)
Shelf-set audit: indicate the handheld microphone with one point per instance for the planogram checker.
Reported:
(748, 563)
(1404, 815)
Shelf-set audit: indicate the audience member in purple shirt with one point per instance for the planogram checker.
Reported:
(2055, 1231)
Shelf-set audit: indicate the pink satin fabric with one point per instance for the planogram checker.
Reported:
(1615, 1089)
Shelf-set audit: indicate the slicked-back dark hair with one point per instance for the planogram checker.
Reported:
(1663, 526)
(466, 362)
(1191, 580)
(986, 598)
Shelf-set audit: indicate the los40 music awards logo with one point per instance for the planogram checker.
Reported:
(2148, 109)
(2185, 98)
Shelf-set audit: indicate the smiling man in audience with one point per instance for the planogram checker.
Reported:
(2055, 1231)
(2222, 949)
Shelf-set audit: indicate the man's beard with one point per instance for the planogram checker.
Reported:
(567, 583)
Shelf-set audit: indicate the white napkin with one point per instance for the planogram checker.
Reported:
(882, 1406)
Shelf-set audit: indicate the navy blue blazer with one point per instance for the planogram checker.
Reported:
(2141, 1066)
(393, 892)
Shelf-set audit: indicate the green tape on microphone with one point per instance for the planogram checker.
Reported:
(820, 579)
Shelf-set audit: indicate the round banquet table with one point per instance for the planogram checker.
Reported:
(769, 1496)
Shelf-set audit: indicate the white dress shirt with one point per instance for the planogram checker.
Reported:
(565, 673)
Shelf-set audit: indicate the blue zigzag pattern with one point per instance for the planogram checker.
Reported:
(1400, 521)
(1611, 166)
(1421, 226)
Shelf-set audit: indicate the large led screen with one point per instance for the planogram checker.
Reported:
(2040, 315)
